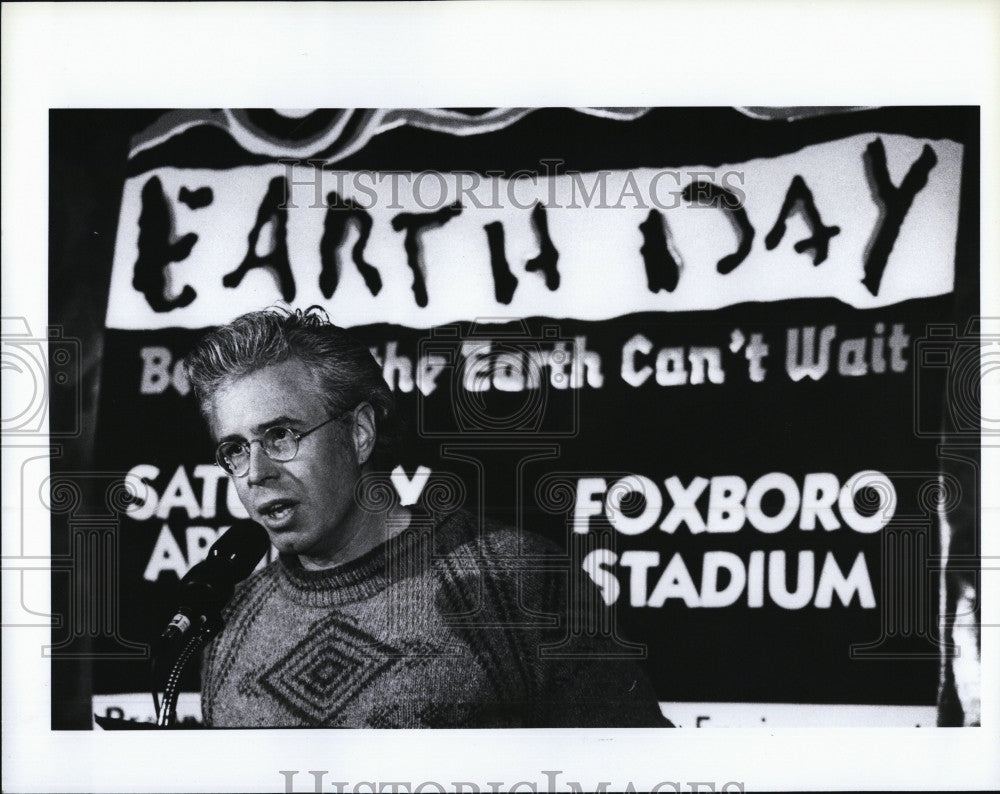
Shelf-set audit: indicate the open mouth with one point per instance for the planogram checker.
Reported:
(278, 510)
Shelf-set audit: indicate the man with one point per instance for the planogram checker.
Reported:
(376, 615)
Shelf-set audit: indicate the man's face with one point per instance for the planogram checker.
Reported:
(306, 504)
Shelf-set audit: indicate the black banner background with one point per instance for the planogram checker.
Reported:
(838, 424)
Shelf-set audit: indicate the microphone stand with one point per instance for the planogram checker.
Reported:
(167, 716)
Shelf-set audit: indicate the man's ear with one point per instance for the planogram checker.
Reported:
(363, 432)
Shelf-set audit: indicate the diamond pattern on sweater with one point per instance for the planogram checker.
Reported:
(317, 679)
(454, 643)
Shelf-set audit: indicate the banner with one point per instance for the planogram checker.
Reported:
(701, 348)
(427, 248)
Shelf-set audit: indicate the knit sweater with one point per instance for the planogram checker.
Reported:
(446, 624)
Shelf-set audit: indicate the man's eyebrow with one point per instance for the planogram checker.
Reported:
(283, 421)
(278, 420)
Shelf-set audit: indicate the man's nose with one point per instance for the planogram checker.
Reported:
(262, 468)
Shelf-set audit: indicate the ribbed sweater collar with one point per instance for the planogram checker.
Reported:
(359, 579)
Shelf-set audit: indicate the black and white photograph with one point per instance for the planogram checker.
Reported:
(587, 437)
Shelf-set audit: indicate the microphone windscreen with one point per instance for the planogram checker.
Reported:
(240, 548)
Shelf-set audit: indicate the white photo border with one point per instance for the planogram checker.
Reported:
(452, 54)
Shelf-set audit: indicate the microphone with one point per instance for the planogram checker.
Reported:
(209, 585)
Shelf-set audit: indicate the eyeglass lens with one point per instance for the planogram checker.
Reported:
(278, 443)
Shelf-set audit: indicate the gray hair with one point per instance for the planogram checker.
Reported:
(343, 368)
